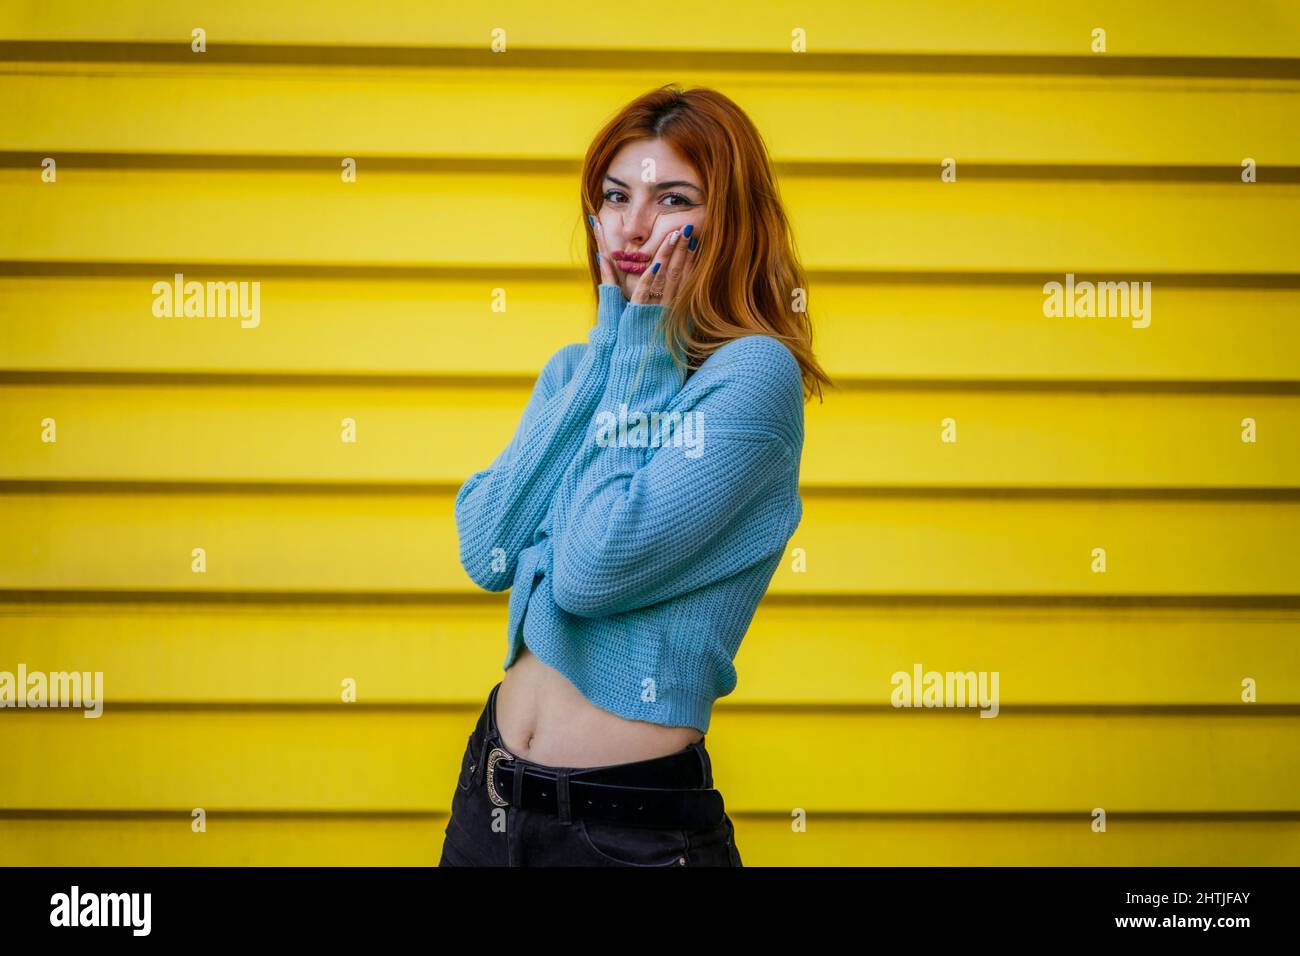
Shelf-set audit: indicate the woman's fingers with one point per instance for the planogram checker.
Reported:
(652, 280)
(678, 262)
(607, 274)
(645, 285)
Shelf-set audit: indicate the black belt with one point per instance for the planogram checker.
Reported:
(570, 793)
(617, 793)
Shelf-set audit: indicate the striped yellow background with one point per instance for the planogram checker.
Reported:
(329, 560)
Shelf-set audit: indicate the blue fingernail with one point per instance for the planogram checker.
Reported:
(591, 219)
(655, 269)
(690, 247)
(687, 231)
(598, 258)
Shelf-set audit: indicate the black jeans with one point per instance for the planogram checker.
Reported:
(480, 833)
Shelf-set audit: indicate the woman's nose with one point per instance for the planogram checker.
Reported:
(639, 222)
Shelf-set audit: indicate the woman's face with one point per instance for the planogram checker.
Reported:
(649, 190)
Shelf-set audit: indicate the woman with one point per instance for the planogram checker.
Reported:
(642, 507)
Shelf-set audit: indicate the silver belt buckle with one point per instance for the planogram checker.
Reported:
(493, 756)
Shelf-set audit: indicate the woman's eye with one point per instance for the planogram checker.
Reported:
(617, 195)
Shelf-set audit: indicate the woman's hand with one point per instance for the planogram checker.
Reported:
(607, 273)
(672, 264)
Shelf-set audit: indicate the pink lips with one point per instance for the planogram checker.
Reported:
(631, 262)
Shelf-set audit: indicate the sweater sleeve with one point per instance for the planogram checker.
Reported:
(499, 508)
(636, 524)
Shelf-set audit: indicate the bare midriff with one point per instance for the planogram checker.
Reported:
(542, 717)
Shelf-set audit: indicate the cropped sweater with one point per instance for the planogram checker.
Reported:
(639, 516)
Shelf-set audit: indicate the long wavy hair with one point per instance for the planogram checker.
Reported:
(748, 278)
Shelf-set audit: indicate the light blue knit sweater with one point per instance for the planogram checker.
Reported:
(640, 552)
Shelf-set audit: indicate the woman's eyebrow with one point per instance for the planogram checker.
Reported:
(672, 184)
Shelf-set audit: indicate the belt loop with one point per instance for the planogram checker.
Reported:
(562, 796)
(480, 771)
(517, 797)
(487, 724)
(492, 709)
(706, 763)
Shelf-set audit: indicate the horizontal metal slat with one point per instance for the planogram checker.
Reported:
(405, 542)
(902, 761)
(858, 438)
(879, 328)
(483, 220)
(1202, 28)
(316, 115)
(379, 840)
(439, 653)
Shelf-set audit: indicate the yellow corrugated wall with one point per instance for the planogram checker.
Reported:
(329, 561)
